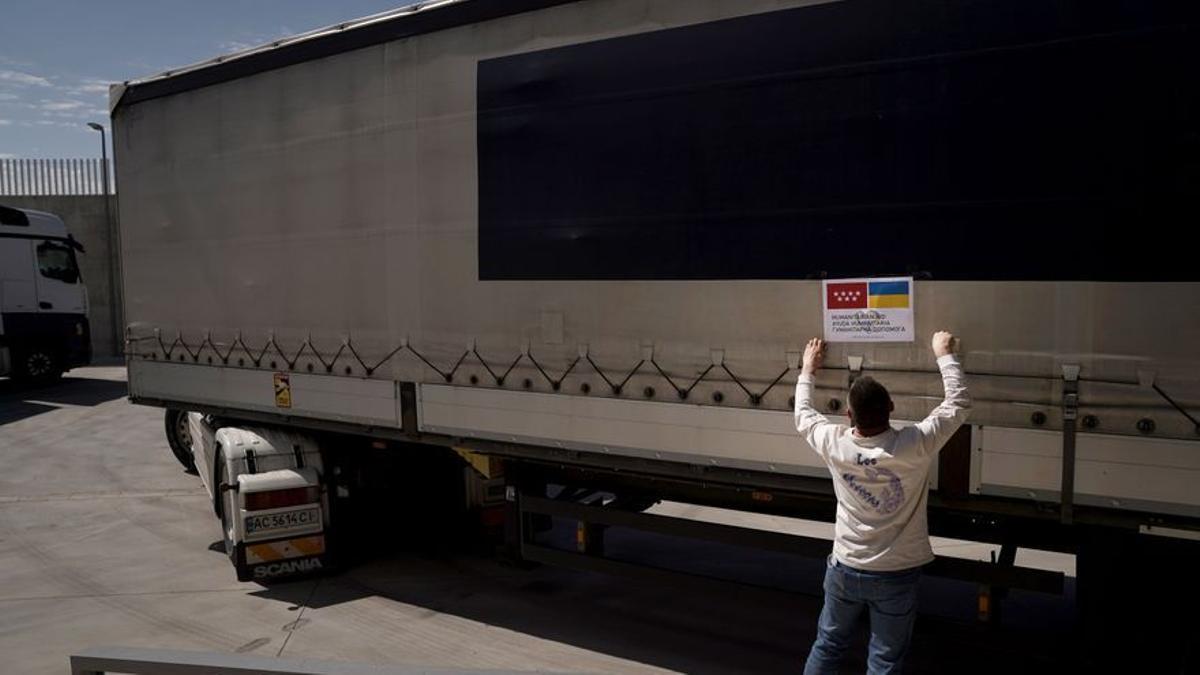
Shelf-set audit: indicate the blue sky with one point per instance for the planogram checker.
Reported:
(58, 56)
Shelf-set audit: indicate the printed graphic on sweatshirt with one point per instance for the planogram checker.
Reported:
(889, 497)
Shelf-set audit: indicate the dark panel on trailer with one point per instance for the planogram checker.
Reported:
(987, 139)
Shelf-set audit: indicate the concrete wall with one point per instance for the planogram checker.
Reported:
(85, 219)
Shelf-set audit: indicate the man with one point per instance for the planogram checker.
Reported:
(881, 536)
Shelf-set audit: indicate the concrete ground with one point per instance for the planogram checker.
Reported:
(104, 540)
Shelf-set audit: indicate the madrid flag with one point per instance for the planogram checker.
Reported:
(846, 296)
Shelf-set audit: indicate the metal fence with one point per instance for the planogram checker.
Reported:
(40, 177)
(98, 660)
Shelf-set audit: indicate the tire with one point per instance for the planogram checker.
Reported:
(179, 437)
(225, 510)
(36, 365)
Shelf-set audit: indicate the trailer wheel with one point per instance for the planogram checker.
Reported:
(36, 365)
(179, 437)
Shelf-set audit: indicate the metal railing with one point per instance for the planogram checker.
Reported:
(42, 177)
(136, 661)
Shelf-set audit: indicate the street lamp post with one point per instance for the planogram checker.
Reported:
(112, 255)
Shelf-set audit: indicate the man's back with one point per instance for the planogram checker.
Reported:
(881, 481)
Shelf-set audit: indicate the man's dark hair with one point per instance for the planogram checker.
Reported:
(870, 403)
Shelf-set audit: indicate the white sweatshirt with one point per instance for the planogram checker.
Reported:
(882, 482)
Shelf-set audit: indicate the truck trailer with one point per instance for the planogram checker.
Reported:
(526, 253)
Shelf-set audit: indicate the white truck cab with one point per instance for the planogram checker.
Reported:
(44, 327)
(266, 488)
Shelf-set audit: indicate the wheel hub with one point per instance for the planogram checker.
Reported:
(183, 431)
(38, 364)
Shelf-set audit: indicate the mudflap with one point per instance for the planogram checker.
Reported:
(270, 569)
(239, 563)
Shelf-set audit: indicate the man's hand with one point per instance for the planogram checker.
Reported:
(944, 343)
(814, 356)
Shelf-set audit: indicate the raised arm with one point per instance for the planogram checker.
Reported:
(812, 425)
(945, 419)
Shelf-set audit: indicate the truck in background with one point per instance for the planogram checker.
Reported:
(556, 259)
(44, 328)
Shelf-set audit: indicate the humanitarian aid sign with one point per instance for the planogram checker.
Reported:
(868, 310)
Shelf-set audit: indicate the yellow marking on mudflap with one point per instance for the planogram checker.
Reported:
(309, 545)
(281, 550)
(260, 553)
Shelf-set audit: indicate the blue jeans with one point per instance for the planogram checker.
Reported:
(891, 602)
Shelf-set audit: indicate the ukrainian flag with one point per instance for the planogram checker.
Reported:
(887, 294)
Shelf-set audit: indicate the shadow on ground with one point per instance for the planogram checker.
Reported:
(19, 401)
(732, 628)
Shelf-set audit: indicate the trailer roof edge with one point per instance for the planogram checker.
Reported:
(416, 19)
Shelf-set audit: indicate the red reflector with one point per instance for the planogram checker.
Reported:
(492, 516)
(278, 499)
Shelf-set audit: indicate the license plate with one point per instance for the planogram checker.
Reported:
(286, 520)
